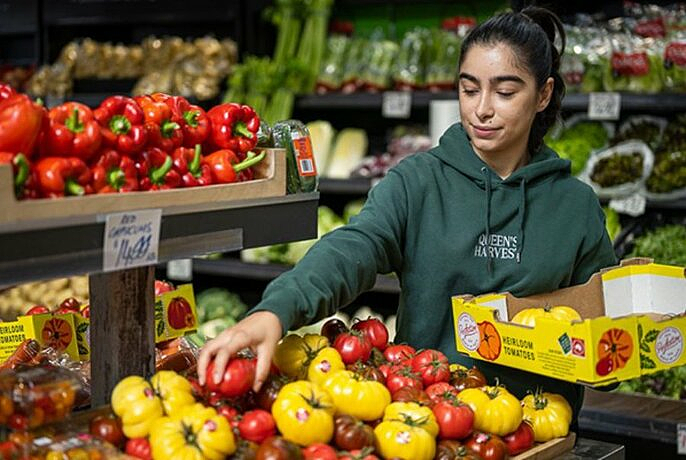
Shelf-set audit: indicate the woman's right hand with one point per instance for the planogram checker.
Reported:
(260, 332)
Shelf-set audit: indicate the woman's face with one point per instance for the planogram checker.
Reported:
(498, 100)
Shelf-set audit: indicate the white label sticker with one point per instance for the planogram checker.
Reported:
(396, 104)
(468, 331)
(180, 269)
(604, 106)
(131, 239)
(681, 439)
(635, 205)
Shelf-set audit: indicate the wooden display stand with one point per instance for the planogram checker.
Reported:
(549, 450)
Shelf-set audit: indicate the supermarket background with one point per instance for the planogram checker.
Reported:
(374, 84)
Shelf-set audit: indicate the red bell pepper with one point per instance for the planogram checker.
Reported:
(194, 121)
(72, 132)
(194, 172)
(21, 120)
(156, 172)
(163, 132)
(114, 173)
(20, 168)
(122, 123)
(234, 127)
(59, 176)
(6, 91)
(225, 165)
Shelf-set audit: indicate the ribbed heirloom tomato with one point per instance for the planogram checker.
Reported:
(374, 330)
(432, 366)
(238, 377)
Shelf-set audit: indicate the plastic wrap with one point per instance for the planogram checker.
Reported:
(333, 65)
(413, 55)
(610, 169)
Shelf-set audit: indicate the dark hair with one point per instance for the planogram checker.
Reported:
(531, 33)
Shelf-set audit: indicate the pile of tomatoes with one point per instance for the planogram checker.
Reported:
(345, 394)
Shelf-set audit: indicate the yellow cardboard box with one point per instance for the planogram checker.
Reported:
(634, 323)
(175, 315)
(56, 331)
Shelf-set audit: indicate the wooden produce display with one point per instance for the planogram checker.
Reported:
(549, 450)
(270, 181)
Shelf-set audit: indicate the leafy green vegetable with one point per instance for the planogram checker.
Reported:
(217, 303)
(577, 142)
(666, 245)
(670, 383)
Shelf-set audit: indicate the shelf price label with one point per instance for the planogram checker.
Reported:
(131, 239)
(681, 439)
(396, 104)
(604, 106)
(635, 205)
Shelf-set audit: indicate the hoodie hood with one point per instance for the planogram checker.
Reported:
(455, 150)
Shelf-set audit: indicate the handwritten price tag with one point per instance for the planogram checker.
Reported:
(180, 269)
(396, 104)
(604, 106)
(131, 239)
(635, 205)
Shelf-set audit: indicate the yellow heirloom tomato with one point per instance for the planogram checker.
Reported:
(549, 415)
(412, 414)
(174, 390)
(294, 353)
(528, 316)
(135, 402)
(303, 412)
(195, 433)
(327, 362)
(496, 410)
(399, 440)
(352, 395)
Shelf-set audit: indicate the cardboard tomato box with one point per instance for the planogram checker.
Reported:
(175, 315)
(633, 323)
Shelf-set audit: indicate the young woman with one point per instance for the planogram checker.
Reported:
(490, 209)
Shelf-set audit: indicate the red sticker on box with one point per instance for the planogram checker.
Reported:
(675, 53)
(304, 156)
(630, 64)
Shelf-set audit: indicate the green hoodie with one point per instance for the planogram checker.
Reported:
(446, 224)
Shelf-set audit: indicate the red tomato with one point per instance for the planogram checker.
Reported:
(257, 425)
(403, 376)
(320, 452)
(488, 446)
(162, 286)
(139, 448)
(385, 369)
(455, 421)
(441, 391)
(229, 413)
(520, 440)
(432, 366)
(353, 346)
(71, 303)
(8, 449)
(18, 422)
(238, 377)
(108, 429)
(38, 310)
(399, 353)
(375, 330)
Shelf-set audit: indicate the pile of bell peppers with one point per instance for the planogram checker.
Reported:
(150, 142)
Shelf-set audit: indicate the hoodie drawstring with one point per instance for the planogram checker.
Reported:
(521, 215)
(489, 259)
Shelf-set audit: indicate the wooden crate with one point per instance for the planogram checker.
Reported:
(549, 450)
(270, 181)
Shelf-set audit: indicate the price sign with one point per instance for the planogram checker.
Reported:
(681, 439)
(635, 205)
(180, 270)
(131, 239)
(604, 106)
(396, 104)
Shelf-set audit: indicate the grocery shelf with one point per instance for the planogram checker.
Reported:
(235, 268)
(632, 415)
(74, 246)
(655, 103)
